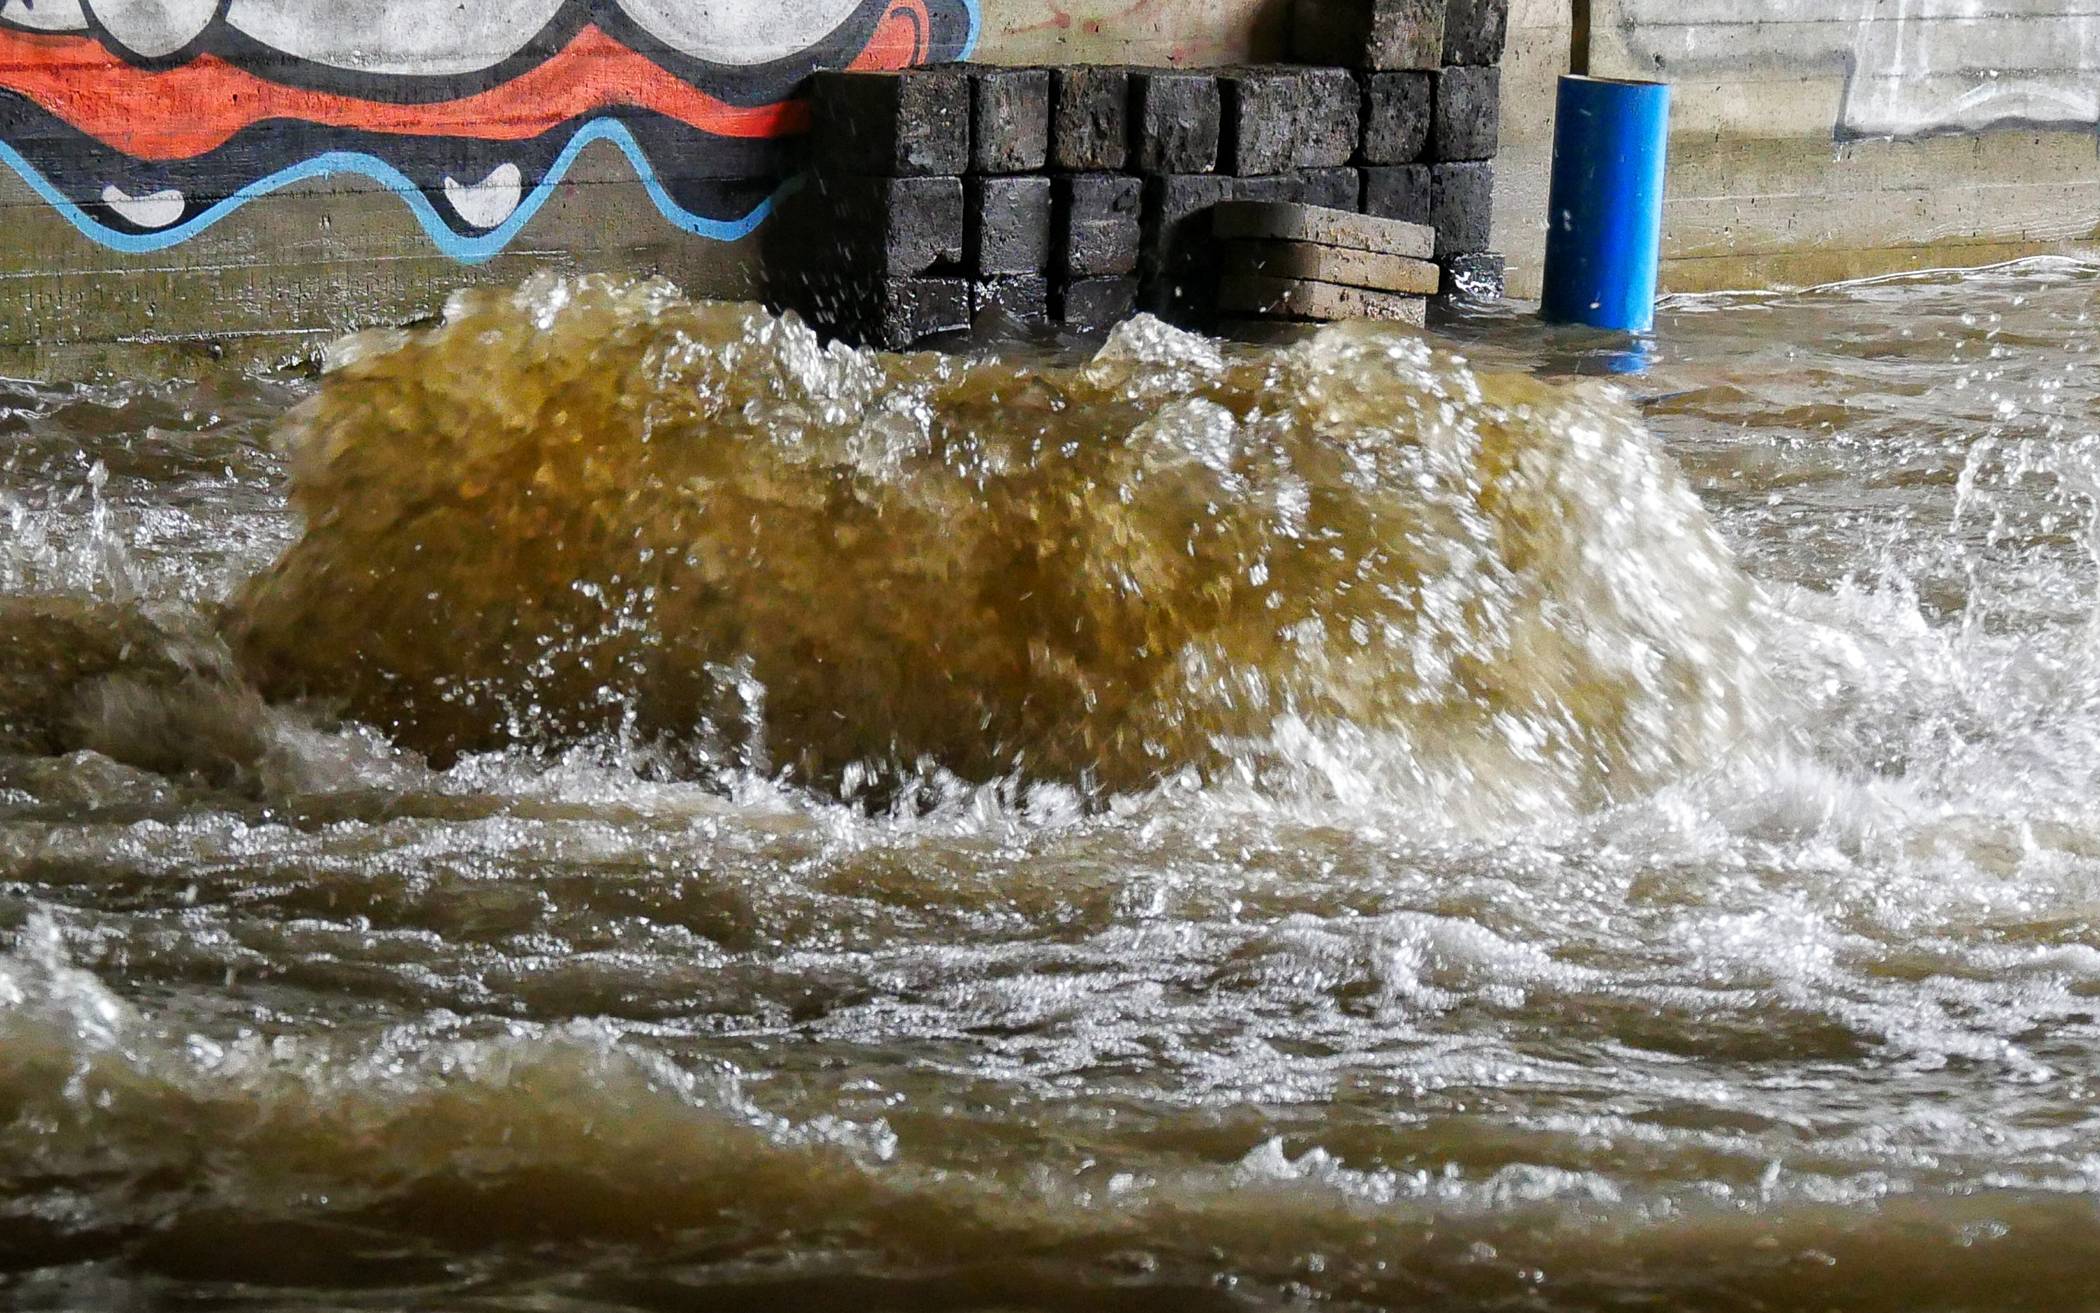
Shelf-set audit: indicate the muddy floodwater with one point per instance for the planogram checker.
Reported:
(606, 804)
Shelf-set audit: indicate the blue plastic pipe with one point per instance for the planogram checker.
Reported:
(1604, 231)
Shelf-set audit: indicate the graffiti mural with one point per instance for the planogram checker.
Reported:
(145, 122)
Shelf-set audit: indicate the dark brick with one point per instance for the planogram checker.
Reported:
(1180, 268)
(1468, 117)
(868, 308)
(1369, 34)
(1009, 119)
(1305, 187)
(1090, 118)
(1099, 223)
(1475, 31)
(905, 310)
(1465, 207)
(1401, 191)
(894, 124)
(1334, 120)
(1101, 197)
(1096, 249)
(1262, 117)
(1336, 189)
(1097, 303)
(1280, 117)
(1397, 110)
(1172, 200)
(1176, 123)
(1024, 296)
(1177, 231)
(1476, 276)
(1009, 225)
(892, 226)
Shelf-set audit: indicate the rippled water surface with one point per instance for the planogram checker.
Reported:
(1332, 826)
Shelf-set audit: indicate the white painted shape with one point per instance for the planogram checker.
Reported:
(1907, 67)
(422, 38)
(1924, 66)
(741, 32)
(154, 28)
(154, 210)
(486, 204)
(45, 15)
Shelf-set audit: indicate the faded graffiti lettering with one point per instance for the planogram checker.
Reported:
(145, 122)
(1921, 67)
(1909, 68)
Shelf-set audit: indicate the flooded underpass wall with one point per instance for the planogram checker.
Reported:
(267, 174)
(1816, 140)
(198, 173)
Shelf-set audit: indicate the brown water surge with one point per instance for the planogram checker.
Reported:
(587, 506)
(297, 1019)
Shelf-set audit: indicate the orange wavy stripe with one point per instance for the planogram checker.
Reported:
(190, 110)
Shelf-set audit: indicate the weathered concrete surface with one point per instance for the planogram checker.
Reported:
(1467, 120)
(1822, 139)
(1474, 31)
(1764, 213)
(1376, 270)
(1191, 33)
(1532, 62)
(1282, 117)
(1284, 221)
(1306, 298)
(912, 123)
(280, 279)
(1816, 140)
(1849, 69)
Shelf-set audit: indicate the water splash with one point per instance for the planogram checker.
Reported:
(1809, 1024)
(593, 507)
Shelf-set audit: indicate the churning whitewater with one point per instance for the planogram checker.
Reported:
(674, 814)
(589, 505)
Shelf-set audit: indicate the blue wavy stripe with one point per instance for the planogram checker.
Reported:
(467, 250)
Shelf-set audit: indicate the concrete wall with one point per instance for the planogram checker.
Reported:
(1815, 140)
(1540, 44)
(1187, 32)
(192, 173)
